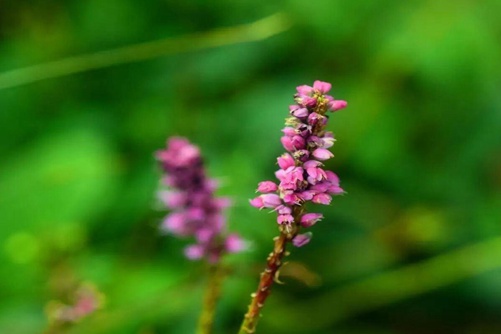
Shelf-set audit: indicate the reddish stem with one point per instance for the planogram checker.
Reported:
(273, 264)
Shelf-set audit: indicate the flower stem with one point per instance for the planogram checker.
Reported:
(206, 320)
(273, 264)
(255, 31)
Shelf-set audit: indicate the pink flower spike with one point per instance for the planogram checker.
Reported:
(285, 161)
(321, 86)
(322, 198)
(267, 187)
(309, 219)
(234, 243)
(197, 212)
(337, 105)
(304, 90)
(322, 154)
(301, 239)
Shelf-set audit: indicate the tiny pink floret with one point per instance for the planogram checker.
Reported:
(304, 89)
(235, 244)
(337, 105)
(267, 187)
(321, 86)
(301, 239)
(322, 154)
(285, 161)
(309, 219)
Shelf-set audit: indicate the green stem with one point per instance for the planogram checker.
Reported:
(206, 320)
(255, 31)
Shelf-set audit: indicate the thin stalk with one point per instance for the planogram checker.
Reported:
(273, 264)
(212, 294)
(270, 273)
(255, 31)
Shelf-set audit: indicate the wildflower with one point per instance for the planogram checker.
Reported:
(301, 179)
(301, 175)
(195, 211)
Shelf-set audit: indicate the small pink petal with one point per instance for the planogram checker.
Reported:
(298, 142)
(285, 161)
(271, 200)
(322, 154)
(300, 113)
(284, 210)
(337, 105)
(281, 175)
(234, 243)
(320, 187)
(301, 239)
(312, 163)
(335, 190)
(308, 101)
(257, 202)
(194, 252)
(267, 187)
(292, 199)
(310, 219)
(176, 223)
(306, 195)
(172, 199)
(332, 177)
(327, 142)
(322, 198)
(287, 143)
(304, 89)
(321, 86)
(289, 131)
(204, 235)
(285, 219)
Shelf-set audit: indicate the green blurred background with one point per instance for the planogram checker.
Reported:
(414, 246)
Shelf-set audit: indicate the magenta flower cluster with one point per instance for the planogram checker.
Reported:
(301, 176)
(195, 211)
